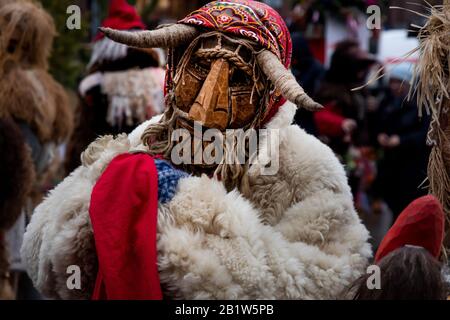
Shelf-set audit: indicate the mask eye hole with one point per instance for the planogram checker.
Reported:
(239, 77)
(201, 67)
(204, 63)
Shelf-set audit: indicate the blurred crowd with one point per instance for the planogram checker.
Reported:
(373, 126)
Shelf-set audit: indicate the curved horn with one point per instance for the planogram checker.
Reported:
(285, 81)
(170, 36)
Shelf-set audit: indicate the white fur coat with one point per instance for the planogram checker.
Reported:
(298, 237)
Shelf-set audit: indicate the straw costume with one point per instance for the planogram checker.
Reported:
(431, 79)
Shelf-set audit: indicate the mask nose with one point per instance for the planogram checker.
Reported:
(211, 105)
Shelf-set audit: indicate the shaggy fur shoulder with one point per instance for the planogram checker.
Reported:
(60, 233)
(296, 236)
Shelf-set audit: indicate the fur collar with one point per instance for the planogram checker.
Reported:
(296, 237)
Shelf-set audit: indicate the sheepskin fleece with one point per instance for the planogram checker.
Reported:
(296, 237)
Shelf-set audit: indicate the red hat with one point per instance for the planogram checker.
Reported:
(121, 16)
(420, 224)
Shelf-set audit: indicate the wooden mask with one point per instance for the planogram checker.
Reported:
(216, 84)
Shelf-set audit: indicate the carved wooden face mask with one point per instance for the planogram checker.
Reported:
(217, 83)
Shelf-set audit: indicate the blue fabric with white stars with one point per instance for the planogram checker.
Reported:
(168, 178)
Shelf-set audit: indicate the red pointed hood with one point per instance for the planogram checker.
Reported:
(121, 16)
(421, 223)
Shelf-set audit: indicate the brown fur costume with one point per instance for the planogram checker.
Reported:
(29, 95)
(5, 2)
(27, 34)
(34, 97)
(27, 92)
(16, 170)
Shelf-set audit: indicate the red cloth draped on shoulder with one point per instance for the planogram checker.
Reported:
(421, 223)
(123, 212)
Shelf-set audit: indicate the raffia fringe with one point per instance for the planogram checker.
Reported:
(432, 80)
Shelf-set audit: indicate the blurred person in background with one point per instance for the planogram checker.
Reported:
(16, 170)
(36, 118)
(408, 257)
(342, 122)
(123, 87)
(401, 134)
(342, 118)
(309, 73)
